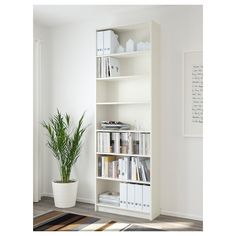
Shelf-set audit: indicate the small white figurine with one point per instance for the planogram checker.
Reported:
(130, 45)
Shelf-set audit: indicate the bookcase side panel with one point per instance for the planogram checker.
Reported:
(155, 120)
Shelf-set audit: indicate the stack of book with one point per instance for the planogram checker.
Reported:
(124, 143)
(116, 125)
(112, 198)
(125, 168)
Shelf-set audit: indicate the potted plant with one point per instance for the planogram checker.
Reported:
(65, 145)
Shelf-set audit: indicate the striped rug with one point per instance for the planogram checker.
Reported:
(62, 221)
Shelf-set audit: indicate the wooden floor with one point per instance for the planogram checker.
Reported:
(162, 222)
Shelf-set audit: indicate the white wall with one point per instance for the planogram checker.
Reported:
(71, 88)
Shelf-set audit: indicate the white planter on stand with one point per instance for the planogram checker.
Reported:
(65, 194)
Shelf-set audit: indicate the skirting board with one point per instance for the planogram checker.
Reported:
(79, 199)
(181, 215)
(163, 212)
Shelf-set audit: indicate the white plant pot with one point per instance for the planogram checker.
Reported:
(65, 193)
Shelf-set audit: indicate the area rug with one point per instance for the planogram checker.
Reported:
(62, 221)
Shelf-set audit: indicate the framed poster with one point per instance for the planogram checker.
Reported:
(193, 94)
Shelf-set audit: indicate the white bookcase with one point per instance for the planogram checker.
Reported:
(133, 98)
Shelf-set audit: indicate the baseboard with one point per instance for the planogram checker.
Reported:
(163, 212)
(79, 199)
(182, 215)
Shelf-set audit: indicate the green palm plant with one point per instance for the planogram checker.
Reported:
(64, 143)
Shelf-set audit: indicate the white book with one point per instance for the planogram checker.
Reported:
(110, 42)
(131, 196)
(102, 142)
(137, 171)
(117, 143)
(100, 43)
(140, 144)
(148, 144)
(120, 168)
(143, 144)
(108, 142)
(130, 151)
(138, 193)
(123, 195)
(103, 166)
(143, 172)
(114, 169)
(98, 142)
(133, 169)
(126, 168)
(146, 198)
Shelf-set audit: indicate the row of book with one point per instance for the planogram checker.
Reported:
(125, 168)
(124, 143)
(108, 67)
(131, 196)
(135, 197)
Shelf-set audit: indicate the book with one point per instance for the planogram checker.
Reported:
(100, 43)
(107, 160)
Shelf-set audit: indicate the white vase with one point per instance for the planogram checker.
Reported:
(65, 194)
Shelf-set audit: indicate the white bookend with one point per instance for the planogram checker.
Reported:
(131, 196)
(114, 64)
(146, 198)
(100, 43)
(138, 193)
(123, 195)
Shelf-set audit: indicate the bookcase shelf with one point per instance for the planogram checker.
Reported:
(123, 131)
(127, 54)
(123, 154)
(118, 207)
(131, 96)
(122, 78)
(124, 180)
(124, 103)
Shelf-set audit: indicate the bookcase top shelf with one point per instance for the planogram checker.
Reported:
(121, 78)
(124, 103)
(122, 131)
(122, 154)
(124, 180)
(126, 54)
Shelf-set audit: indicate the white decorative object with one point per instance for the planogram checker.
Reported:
(65, 194)
(130, 45)
(140, 46)
(120, 49)
(193, 94)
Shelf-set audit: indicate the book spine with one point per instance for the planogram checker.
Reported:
(103, 166)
